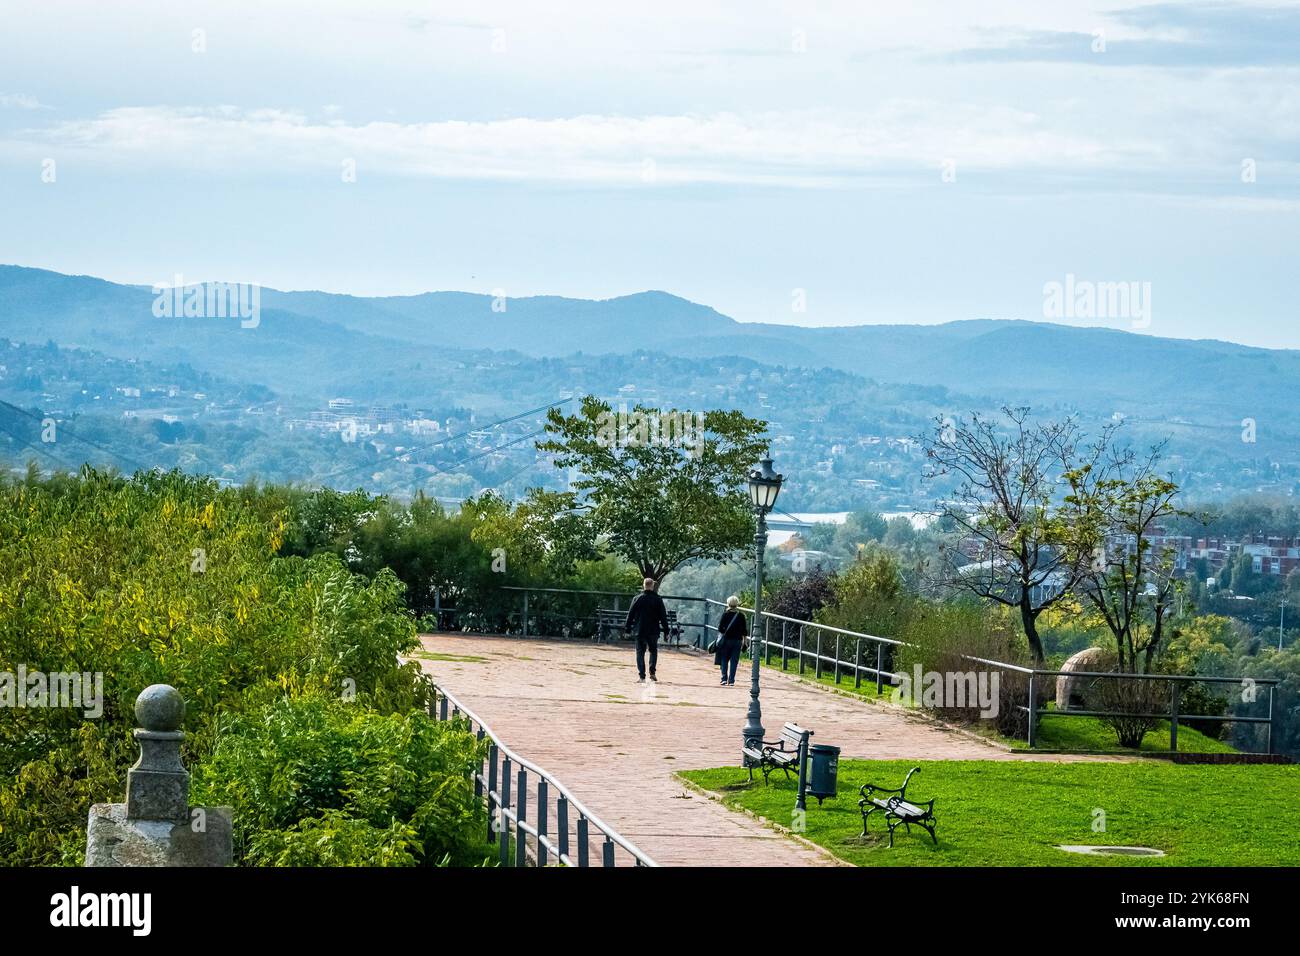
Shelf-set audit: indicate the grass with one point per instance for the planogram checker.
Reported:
(455, 658)
(1014, 813)
(868, 688)
(1089, 733)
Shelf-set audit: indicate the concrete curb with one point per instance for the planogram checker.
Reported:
(785, 831)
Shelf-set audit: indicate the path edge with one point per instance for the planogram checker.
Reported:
(785, 831)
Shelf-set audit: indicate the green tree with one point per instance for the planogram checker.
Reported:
(1129, 579)
(656, 499)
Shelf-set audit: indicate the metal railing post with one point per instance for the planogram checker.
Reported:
(767, 626)
(817, 667)
(521, 810)
(492, 789)
(478, 777)
(525, 614)
(857, 664)
(1033, 711)
(505, 805)
(704, 634)
(880, 663)
(582, 840)
(1272, 719)
(562, 824)
(609, 852)
(1174, 692)
(541, 821)
(837, 658)
(801, 662)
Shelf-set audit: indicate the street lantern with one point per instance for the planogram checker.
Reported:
(764, 486)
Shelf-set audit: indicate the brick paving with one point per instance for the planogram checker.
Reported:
(577, 710)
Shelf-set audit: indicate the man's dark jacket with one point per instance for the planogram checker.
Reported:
(647, 617)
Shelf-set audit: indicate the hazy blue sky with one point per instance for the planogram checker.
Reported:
(898, 162)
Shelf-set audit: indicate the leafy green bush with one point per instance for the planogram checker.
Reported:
(391, 789)
(336, 839)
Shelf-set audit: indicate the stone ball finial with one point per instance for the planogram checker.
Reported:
(159, 707)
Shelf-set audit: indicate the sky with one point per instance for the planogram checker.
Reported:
(815, 163)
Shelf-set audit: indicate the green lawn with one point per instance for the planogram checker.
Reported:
(868, 688)
(1089, 733)
(1013, 813)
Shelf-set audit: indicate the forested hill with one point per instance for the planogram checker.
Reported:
(305, 335)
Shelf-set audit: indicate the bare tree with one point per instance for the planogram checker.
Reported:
(1017, 547)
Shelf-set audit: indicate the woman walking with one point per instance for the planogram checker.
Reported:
(732, 631)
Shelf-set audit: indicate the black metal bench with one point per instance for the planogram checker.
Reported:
(897, 809)
(781, 754)
(611, 619)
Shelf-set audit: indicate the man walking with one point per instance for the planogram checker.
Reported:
(647, 618)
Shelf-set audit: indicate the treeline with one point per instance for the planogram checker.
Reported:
(457, 565)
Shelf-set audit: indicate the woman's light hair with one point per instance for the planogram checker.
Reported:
(733, 602)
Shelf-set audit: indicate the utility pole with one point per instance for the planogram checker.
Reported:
(1281, 622)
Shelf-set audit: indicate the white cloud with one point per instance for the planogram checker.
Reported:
(805, 149)
(20, 101)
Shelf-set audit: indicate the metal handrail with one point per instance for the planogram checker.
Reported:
(499, 799)
(1032, 673)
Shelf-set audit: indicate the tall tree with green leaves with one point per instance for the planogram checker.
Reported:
(1129, 579)
(659, 488)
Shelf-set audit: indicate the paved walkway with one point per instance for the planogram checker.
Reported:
(576, 710)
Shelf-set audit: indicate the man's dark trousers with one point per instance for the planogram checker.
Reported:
(651, 642)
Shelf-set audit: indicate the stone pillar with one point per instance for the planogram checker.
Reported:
(157, 826)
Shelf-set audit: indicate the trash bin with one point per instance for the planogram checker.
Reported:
(825, 761)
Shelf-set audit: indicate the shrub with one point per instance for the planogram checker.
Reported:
(943, 638)
(1131, 700)
(869, 597)
(391, 787)
(335, 839)
(802, 598)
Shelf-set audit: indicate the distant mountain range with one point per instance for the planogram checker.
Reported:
(314, 342)
(212, 395)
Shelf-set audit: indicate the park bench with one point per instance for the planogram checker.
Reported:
(780, 754)
(611, 619)
(897, 809)
(607, 620)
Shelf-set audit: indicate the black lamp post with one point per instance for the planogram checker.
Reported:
(764, 486)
